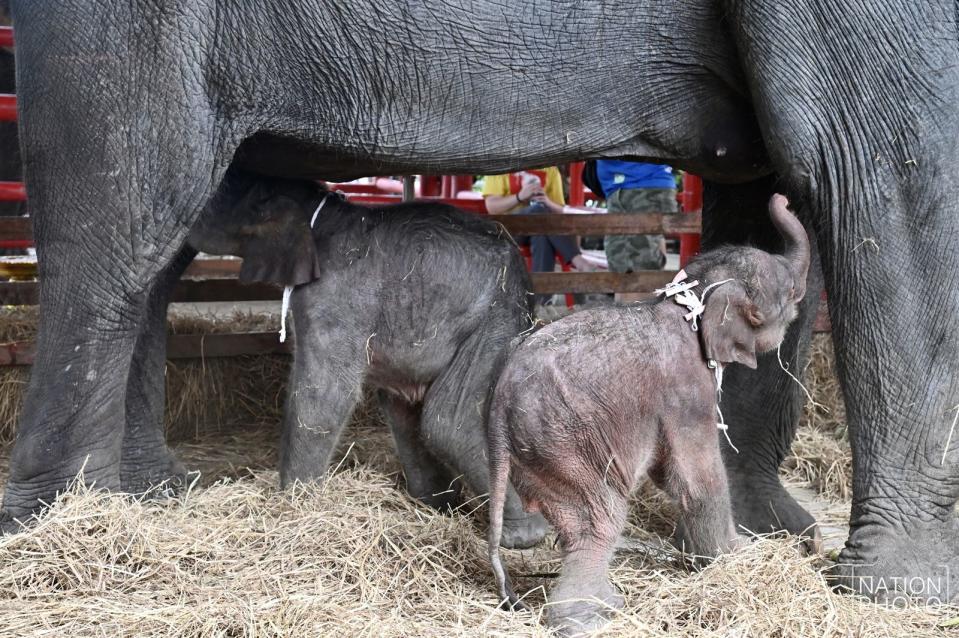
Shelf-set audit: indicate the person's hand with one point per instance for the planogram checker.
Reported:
(530, 190)
(550, 204)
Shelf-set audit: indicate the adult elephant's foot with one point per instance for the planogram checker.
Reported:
(764, 507)
(893, 565)
(142, 470)
(28, 493)
(523, 531)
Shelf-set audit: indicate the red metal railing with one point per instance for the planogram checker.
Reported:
(8, 107)
(12, 192)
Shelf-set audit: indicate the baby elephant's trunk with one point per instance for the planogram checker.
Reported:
(797, 242)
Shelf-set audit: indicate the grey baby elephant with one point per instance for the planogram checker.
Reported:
(590, 404)
(418, 301)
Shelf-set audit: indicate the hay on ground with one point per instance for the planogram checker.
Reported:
(356, 557)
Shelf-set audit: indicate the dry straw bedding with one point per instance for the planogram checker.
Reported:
(356, 557)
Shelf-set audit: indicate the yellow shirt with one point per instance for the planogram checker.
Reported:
(503, 185)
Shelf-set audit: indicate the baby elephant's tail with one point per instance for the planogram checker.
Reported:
(498, 482)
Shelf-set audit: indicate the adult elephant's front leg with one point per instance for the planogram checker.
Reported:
(113, 194)
(75, 407)
(762, 406)
(146, 459)
(875, 155)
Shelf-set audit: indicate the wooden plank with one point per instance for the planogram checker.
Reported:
(19, 353)
(24, 293)
(225, 345)
(18, 228)
(599, 282)
(543, 283)
(18, 293)
(213, 268)
(208, 346)
(601, 224)
(200, 268)
(194, 291)
(15, 229)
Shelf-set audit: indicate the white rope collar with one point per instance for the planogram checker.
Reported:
(683, 294)
(288, 290)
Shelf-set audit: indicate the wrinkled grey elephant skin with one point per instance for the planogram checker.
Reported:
(417, 301)
(131, 114)
(645, 406)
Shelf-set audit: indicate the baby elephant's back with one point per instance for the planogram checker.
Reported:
(426, 278)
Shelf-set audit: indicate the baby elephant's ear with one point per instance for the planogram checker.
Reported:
(729, 325)
(280, 249)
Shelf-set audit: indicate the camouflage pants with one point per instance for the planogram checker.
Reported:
(627, 253)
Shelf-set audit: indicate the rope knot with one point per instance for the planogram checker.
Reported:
(683, 294)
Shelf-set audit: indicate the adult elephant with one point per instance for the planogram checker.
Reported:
(131, 115)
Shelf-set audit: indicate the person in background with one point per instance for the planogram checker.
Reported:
(636, 187)
(529, 192)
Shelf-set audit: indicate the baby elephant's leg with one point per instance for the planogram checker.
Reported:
(426, 478)
(583, 597)
(695, 477)
(324, 388)
(453, 427)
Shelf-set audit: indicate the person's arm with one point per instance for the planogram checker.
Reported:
(550, 204)
(502, 204)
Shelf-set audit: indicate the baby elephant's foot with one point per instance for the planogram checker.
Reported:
(699, 552)
(586, 614)
(523, 531)
(443, 502)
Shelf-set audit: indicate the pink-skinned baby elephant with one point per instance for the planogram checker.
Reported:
(593, 402)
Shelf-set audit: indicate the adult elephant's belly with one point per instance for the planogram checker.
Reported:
(711, 134)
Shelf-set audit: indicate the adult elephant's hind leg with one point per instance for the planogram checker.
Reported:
(146, 459)
(762, 406)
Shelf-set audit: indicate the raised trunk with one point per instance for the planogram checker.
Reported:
(796, 239)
